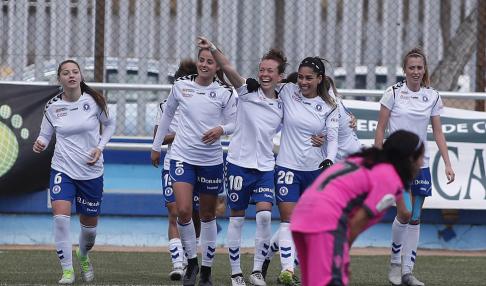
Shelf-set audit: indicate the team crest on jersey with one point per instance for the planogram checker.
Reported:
(168, 192)
(319, 107)
(425, 98)
(283, 191)
(86, 107)
(56, 189)
(233, 197)
(279, 105)
(212, 94)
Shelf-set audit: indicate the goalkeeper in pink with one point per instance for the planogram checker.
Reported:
(346, 199)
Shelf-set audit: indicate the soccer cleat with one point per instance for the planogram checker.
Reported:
(237, 280)
(395, 274)
(67, 277)
(265, 265)
(205, 277)
(410, 280)
(190, 276)
(286, 278)
(176, 274)
(256, 279)
(87, 272)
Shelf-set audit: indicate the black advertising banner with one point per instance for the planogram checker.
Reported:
(21, 110)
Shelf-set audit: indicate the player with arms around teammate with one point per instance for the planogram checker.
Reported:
(251, 162)
(207, 110)
(411, 105)
(309, 112)
(77, 165)
(346, 199)
(186, 67)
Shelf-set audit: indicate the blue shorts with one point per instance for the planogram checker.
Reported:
(205, 179)
(422, 184)
(169, 193)
(245, 183)
(290, 184)
(88, 193)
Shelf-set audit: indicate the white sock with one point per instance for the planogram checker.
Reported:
(399, 231)
(188, 238)
(209, 232)
(273, 245)
(262, 238)
(87, 238)
(62, 240)
(287, 248)
(410, 248)
(176, 252)
(233, 242)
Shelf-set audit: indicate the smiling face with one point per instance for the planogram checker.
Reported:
(69, 76)
(414, 72)
(308, 80)
(268, 74)
(206, 65)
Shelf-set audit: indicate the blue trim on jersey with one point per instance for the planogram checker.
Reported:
(88, 194)
(245, 184)
(422, 184)
(291, 184)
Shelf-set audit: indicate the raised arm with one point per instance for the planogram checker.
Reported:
(229, 70)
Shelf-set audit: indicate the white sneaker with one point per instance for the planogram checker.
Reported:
(67, 277)
(256, 279)
(238, 281)
(87, 272)
(395, 274)
(176, 274)
(410, 280)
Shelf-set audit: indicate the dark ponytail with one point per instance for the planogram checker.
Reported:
(401, 149)
(97, 96)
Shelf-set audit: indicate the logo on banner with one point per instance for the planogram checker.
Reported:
(9, 141)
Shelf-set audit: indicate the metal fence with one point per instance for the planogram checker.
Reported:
(140, 42)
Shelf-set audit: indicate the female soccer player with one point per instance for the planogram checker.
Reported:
(250, 162)
(410, 105)
(77, 165)
(346, 199)
(309, 111)
(197, 156)
(186, 67)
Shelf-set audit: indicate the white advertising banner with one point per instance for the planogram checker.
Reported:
(465, 132)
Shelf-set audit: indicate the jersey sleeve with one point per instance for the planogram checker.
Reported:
(108, 130)
(332, 127)
(388, 98)
(438, 107)
(170, 108)
(229, 115)
(242, 91)
(385, 192)
(46, 130)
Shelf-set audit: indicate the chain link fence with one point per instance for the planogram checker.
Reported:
(135, 41)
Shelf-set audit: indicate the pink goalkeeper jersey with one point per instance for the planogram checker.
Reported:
(341, 190)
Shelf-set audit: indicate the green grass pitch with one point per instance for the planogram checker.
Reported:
(41, 267)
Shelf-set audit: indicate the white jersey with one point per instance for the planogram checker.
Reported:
(304, 117)
(201, 109)
(348, 142)
(77, 128)
(257, 121)
(412, 111)
(172, 129)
